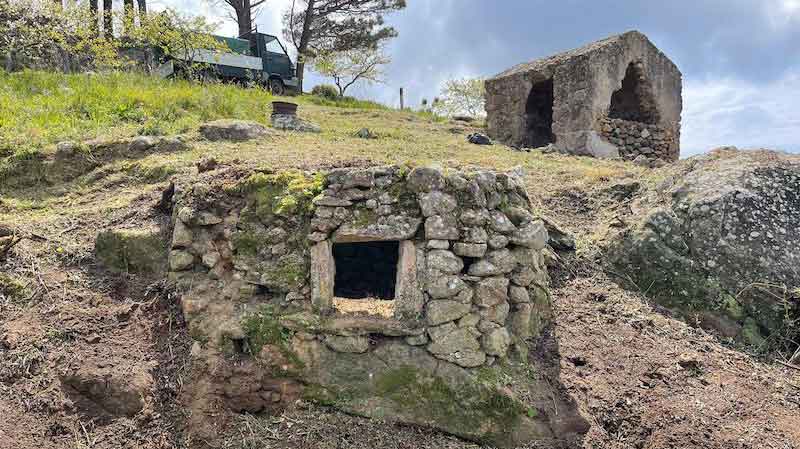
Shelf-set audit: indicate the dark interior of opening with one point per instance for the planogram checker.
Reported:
(539, 115)
(468, 261)
(634, 100)
(365, 269)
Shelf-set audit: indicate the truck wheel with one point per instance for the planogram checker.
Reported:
(276, 87)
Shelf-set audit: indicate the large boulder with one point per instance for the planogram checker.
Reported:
(233, 130)
(718, 241)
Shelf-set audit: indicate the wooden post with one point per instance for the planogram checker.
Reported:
(402, 104)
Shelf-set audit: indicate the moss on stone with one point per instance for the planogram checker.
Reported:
(263, 328)
(12, 289)
(133, 251)
(285, 193)
(467, 409)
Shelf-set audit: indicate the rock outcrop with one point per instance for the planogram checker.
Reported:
(718, 241)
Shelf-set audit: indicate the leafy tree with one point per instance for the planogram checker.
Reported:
(46, 36)
(461, 96)
(175, 35)
(317, 27)
(244, 13)
(351, 66)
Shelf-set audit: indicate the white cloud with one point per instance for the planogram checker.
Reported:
(731, 112)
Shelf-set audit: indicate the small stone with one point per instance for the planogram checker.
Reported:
(444, 286)
(439, 332)
(439, 312)
(355, 345)
(207, 219)
(365, 133)
(497, 314)
(438, 244)
(470, 320)
(532, 235)
(523, 276)
(476, 235)
(440, 227)
(476, 250)
(371, 204)
(499, 222)
(484, 268)
(518, 294)
(180, 260)
(417, 340)
(436, 203)
(645, 133)
(498, 241)
(472, 217)
(491, 291)
(425, 179)
(331, 201)
(503, 259)
(445, 261)
(233, 130)
(206, 163)
(181, 235)
(496, 342)
(211, 259)
(520, 321)
(141, 143)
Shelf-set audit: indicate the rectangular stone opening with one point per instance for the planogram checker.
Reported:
(539, 115)
(365, 270)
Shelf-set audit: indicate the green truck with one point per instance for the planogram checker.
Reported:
(254, 57)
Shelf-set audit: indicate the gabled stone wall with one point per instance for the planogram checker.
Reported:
(253, 258)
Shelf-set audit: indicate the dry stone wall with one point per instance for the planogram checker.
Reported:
(635, 138)
(253, 256)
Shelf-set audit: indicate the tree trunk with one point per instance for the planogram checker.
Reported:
(142, 8)
(93, 15)
(305, 38)
(244, 18)
(108, 24)
(127, 15)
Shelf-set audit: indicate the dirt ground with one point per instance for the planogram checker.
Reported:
(92, 359)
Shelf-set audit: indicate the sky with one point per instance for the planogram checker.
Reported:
(740, 59)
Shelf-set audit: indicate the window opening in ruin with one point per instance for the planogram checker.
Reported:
(365, 270)
(634, 100)
(539, 115)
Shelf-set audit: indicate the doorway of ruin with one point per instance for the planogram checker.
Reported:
(539, 115)
(634, 101)
(366, 270)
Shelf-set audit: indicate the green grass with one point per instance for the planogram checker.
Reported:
(40, 108)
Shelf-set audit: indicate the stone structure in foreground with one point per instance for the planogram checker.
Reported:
(620, 96)
(387, 292)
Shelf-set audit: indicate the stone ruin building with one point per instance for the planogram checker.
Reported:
(618, 97)
(388, 292)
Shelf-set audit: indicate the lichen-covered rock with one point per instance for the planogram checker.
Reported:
(129, 250)
(496, 342)
(438, 312)
(491, 291)
(445, 261)
(233, 130)
(718, 241)
(356, 344)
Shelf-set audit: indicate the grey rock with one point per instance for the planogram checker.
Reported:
(442, 311)
(425, 179)
(491, 291)
(499, 222)
(233, 130)
(440, 227)
(503, 259)
(331, 201)
(438, 244)
(476, 250)
(471, 217)
(356, 344)
(142, 143)
(181, 235)
(180, 260)
(416, 340)
(484, 268)
(518, 294)
(445, 261)
(436, 203)
(444, 286)
(497, 313)
(287, 122)
(496, 342)
(498, 241)
(531, 235)
(470, 320)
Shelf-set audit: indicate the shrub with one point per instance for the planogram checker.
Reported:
(325, 91)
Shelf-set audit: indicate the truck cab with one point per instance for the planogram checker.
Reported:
(253, 57)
